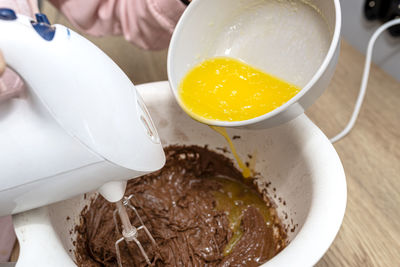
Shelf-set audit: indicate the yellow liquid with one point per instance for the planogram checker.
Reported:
(233, 198)
(227, 89)
(245, 170)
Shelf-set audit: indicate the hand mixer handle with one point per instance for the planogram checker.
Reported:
(83, 89)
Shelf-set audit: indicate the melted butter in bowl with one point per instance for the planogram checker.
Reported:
(226, 89)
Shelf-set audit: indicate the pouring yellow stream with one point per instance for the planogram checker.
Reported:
(246, 172)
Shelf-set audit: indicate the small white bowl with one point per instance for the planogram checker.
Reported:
(297, 41)
(296, 157)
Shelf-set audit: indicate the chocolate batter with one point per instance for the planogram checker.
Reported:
(179, 207)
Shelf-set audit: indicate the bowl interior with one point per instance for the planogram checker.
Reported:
(296, 158)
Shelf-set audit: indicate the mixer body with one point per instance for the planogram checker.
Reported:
(79, 125)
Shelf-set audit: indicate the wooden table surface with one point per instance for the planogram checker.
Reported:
(370, 234)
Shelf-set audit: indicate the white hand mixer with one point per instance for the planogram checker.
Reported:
(80, 126)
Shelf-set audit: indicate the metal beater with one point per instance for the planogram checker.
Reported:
(129, 232)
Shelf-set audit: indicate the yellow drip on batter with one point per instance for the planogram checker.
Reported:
(234, 198)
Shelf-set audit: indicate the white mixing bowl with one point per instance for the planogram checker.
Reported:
(295, 40)
(297, 158)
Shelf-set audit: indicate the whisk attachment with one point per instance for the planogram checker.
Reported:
(129, 232)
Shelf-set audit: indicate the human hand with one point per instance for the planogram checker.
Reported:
(26, 7)
(11, 85)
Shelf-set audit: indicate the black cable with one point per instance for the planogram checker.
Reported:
(186, 2)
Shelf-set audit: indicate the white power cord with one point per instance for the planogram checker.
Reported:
(364, 81)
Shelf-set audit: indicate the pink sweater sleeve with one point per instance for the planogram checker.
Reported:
(145, 23)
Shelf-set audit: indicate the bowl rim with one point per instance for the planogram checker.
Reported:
(329, 198)
(329, 58)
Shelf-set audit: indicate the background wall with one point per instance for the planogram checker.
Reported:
(357, 31)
